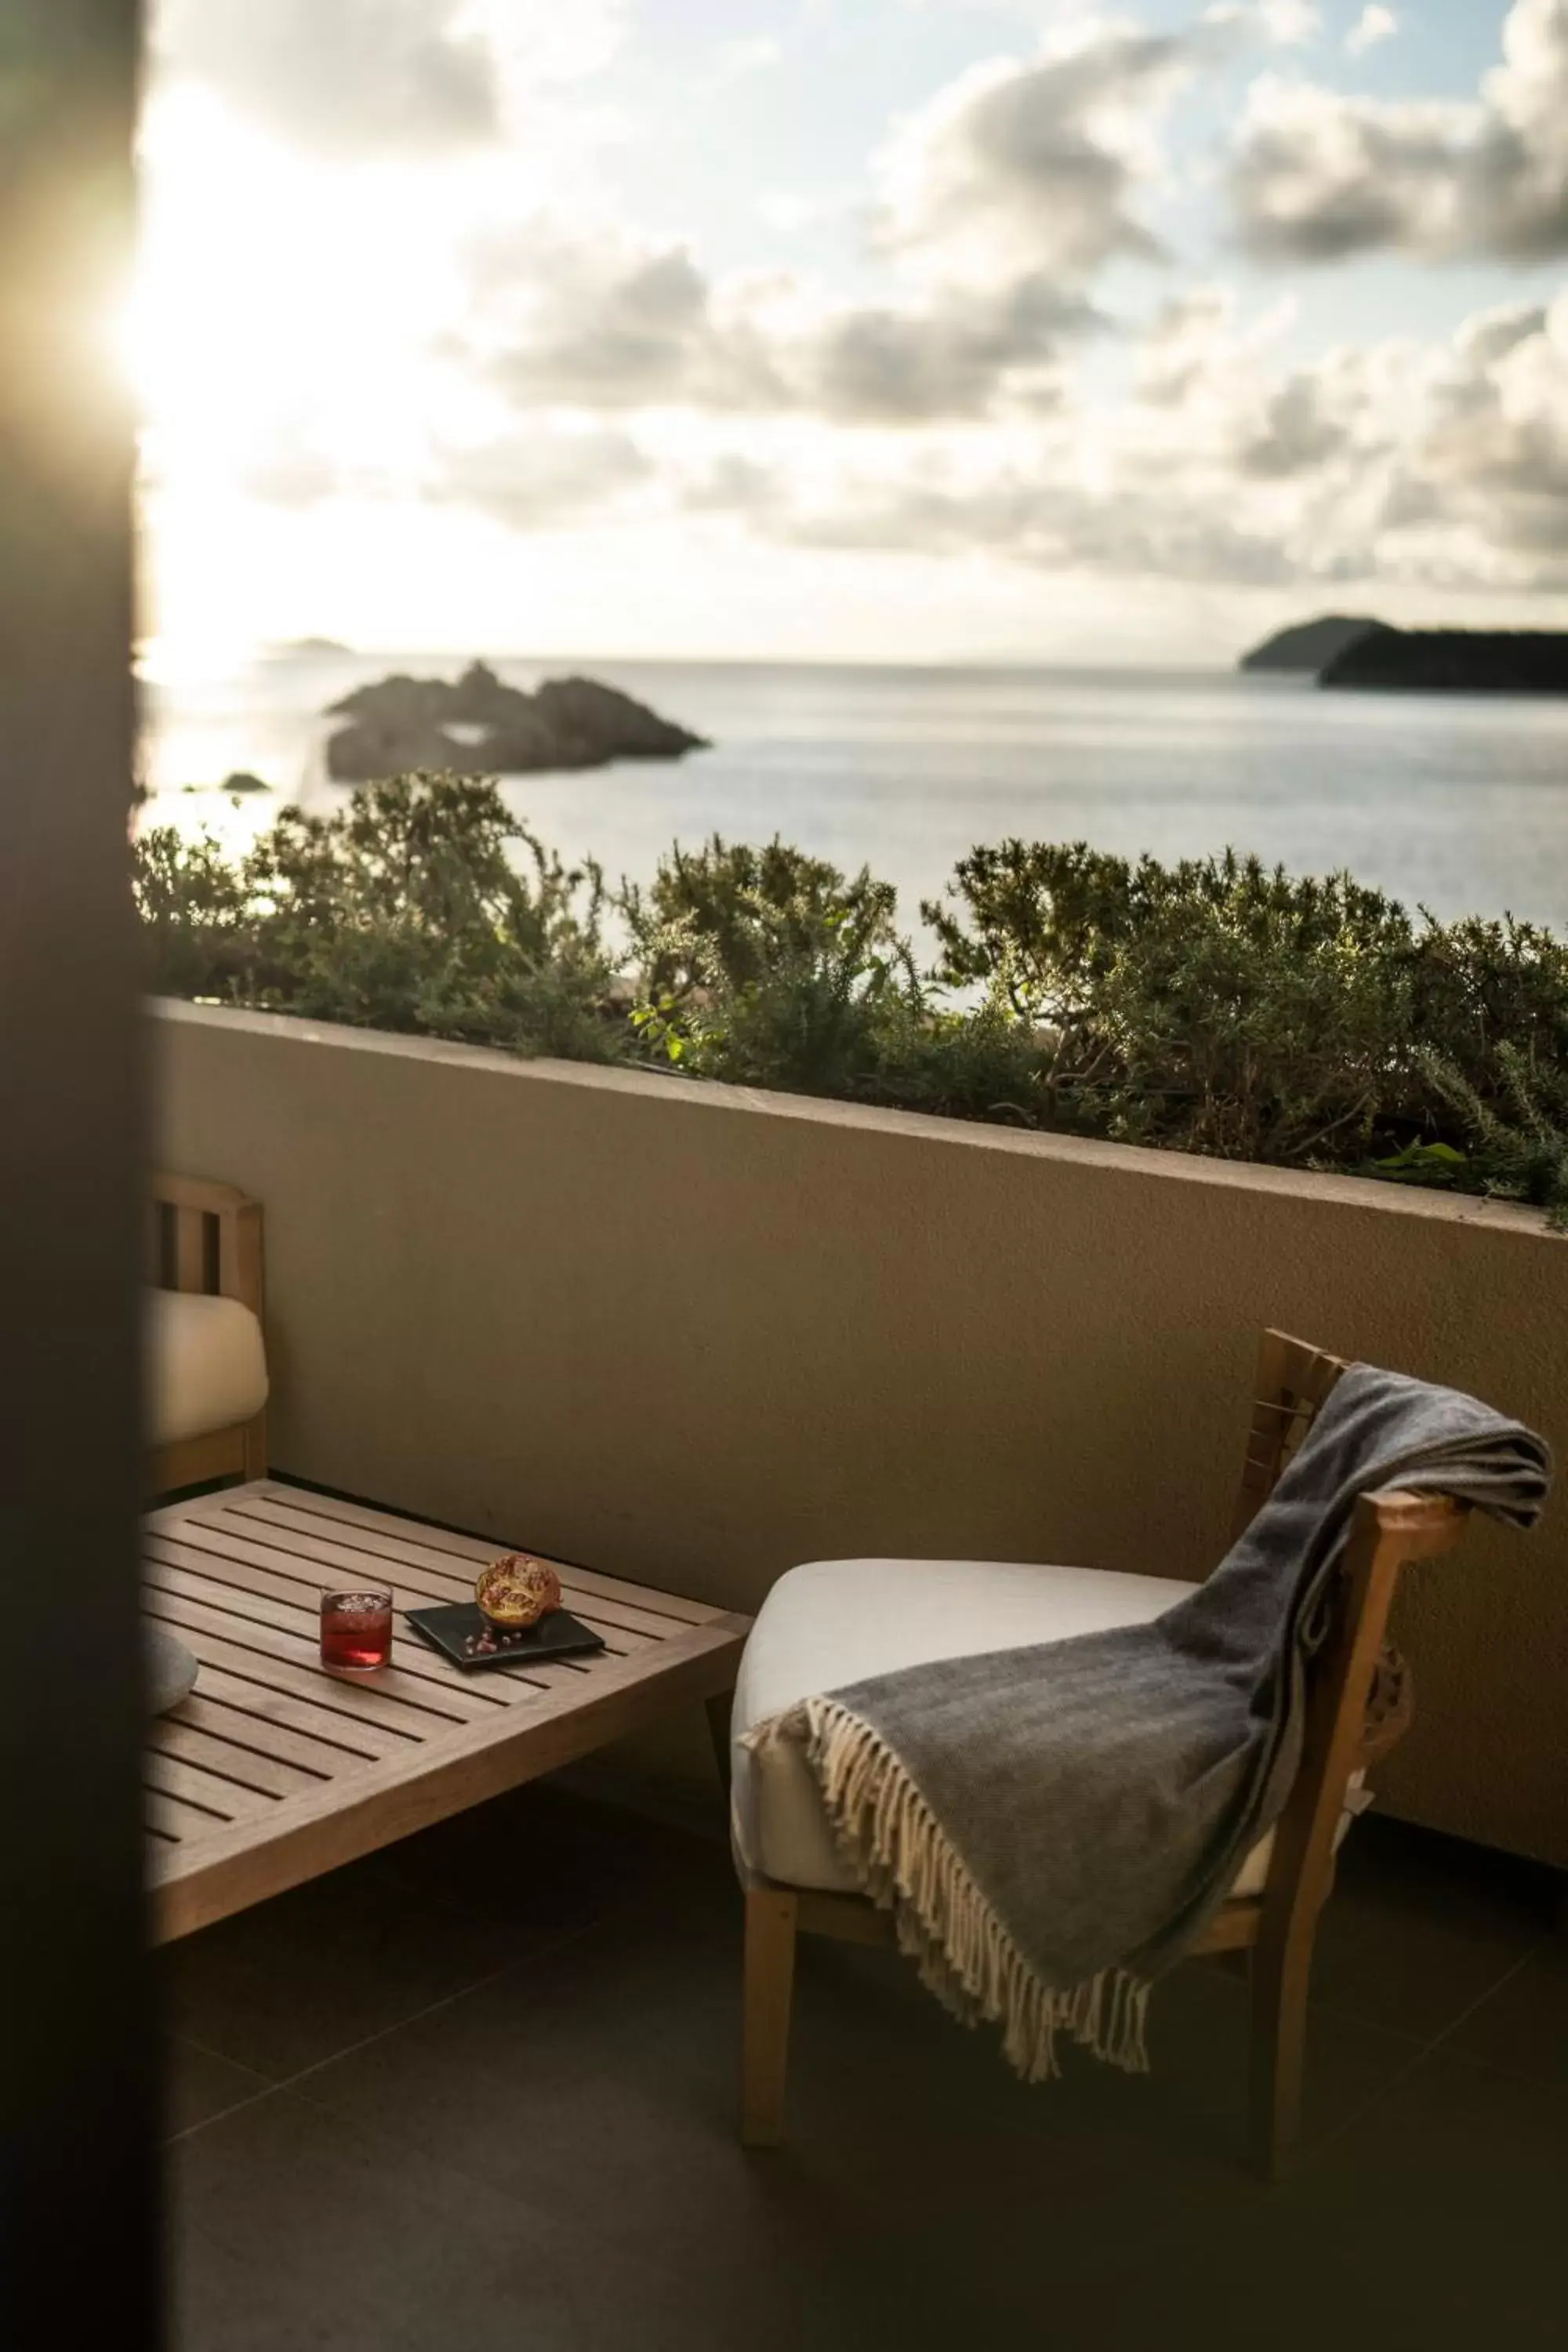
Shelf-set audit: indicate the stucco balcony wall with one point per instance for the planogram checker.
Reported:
(695, 1334)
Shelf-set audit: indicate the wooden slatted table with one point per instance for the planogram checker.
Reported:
(273, 1770)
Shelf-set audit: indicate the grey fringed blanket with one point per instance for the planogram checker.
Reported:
(1053, 1826)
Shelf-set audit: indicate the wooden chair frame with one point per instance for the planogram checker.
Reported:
(206, 1237)
(1358, 1703)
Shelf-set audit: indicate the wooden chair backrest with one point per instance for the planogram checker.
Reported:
(1294, 1382)
(205, 1237)
(1343, 1728)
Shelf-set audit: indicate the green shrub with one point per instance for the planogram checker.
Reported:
(1520, 1151)
(771, 969)
(1212, 1005)
(194, 917)
(407, 909)
(1220, 1006)
(1490, 998)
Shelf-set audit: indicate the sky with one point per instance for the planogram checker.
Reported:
(850, 330)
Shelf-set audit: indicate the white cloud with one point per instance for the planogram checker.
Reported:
(1374, 24)
(1317, 176)
(543, 478)
(400, 78)
(1293, 24)
(350, 323)
(600, 321)
(1443, 465)
(758, 53)
(1286, 23)
(1017, 167)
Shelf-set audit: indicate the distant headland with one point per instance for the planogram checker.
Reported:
(1372, 656)
(478, 723)
(1310, 645)
(1454, 661)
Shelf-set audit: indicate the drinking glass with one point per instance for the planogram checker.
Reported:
(356, 1629)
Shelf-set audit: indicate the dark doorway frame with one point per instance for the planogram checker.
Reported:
(78, 2077)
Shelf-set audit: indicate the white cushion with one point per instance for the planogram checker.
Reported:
(837, 1620)
(205, 1365)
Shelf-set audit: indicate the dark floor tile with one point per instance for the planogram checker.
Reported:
(1034, 2267)
(1440, 2211)
(296, 2231)
(1430, 2222)
(199, 2085)
(1420, 1927)
(293, 1981)
(866, 2028)
(600, 2078)
(1523, 2026)
(1200, 2058)
(547, 1861)
(571, 2125)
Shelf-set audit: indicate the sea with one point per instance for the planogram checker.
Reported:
(1455, 802)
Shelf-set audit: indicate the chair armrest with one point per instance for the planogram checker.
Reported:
(1419, 1525)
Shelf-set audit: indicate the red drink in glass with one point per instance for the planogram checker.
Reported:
(356, 1630)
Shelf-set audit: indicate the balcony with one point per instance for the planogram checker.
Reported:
(481, 2086)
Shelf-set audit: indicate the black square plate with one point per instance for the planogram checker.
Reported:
(456, 1623)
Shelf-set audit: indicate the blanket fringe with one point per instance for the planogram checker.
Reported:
(964, 1952)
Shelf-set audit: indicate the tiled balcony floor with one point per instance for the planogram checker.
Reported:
(480, 2093)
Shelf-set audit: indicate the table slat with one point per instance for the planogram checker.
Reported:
(225, 1800)
(245, 1717)
(265, 1624)
(387, 1555)
(276, 1712)
(195, 1743)
(257, 1595)
(255, 1532)
(179, 1823)
(273, 1770)
(300, 1571)
(267, 1660)
(473, 1548)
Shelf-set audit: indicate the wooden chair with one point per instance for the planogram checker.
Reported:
(207, 1238)
(1358, 1703)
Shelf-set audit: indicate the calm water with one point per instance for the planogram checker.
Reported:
(1458, 803)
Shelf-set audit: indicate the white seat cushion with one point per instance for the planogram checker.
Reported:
(207, 1366)
(837, 1620)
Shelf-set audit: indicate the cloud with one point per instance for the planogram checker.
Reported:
(757, 53)
(1373, 25)
(610, 324)
(1285, 24)
(1292, 23)
(291, 474)
(1300, 429)
(1317, 176)
(948, 360)
(1493, 459)
(1443, 464)
(571, 367)
(1395, 460)
(399, 78)
(1054, 523)
(602, 323)
(542, 478)
(1036, 167)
